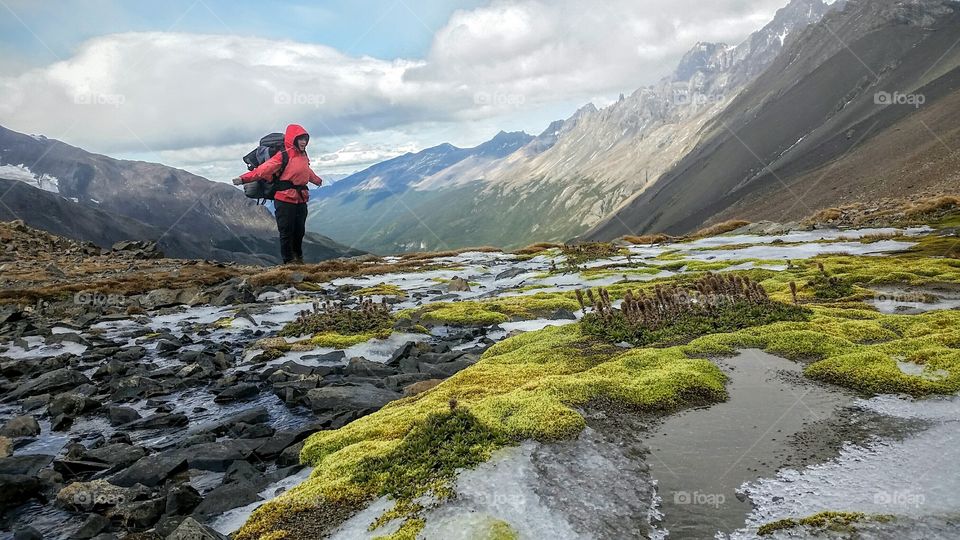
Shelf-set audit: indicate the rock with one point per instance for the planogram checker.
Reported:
(361, 367)
(21, 426)
(27, 533)
(6, 447)
(130, 354)
(458, 284)
(227, 497)
(72, 405)
(334, 357)
(275, 445)
(191, 529)
(420, 387)
(255, 431)
(140, 249)
(241, 471)
(138, 515)
(151, 470)
(563, 315)
(26, 465)
(363, 398)
(233, 295)
(442, 371)
(511, 273)
(182, 499)
(252, 416)
(72, 468)
(168, 345)
(217, 456)
(96, 495)
(16, 489)
(290, 455)
(408, 349)
(398, 382)
(123, 415)
(92, 526)
(33, 403)
(159, 421)
(237, 392)
(117, 454)
(50, 382)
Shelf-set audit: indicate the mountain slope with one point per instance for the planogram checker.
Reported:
(786, 145)
(191, 216)
(356, 208)
(580, 169)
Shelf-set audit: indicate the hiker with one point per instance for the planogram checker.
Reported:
(290, 199)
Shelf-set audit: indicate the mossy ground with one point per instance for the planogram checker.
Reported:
(522, 388)
(527, 387)
(494, 311)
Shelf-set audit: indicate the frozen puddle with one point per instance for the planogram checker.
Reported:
(700, 457)
(800, 251)
(914, 300)
(914, 479)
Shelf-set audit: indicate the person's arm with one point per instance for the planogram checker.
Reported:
(265, 171)
(314, 179)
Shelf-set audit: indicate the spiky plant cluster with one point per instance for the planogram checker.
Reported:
(670, 313)
(368, 316)
(581, 253)
(827, 287)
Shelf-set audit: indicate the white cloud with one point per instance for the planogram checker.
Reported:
(196, 99)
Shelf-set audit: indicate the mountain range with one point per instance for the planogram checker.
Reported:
(68, 191)
(565, 180)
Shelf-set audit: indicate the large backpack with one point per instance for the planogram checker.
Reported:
(262, 190)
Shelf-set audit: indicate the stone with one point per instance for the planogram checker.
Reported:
(191, 529)
(444, 370)
(50, 382)
(96, 495)
(237, 392)
(26, 464)
(27, 533)
(364, 397)
(511, 273)
(72, 405)
(16, 489)
(274, 446)
(290, 455)
(182, 499)
(152, 470)
(227, 497)
(92, 526)
(398, 382)
(361, 367)
(6, 447)
(117, 454)
(159, 421)
(138, 515)
(122, 415)
(458, 284)
(21, 426)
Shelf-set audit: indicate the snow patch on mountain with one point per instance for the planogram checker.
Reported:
(22, 173)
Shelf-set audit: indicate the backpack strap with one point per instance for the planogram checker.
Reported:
(284, 160)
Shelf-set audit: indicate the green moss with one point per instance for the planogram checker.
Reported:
(342, 341)
(487, 312)
(829, 520)
(366, 319)
(382, 290)
(522, 388)
(408, 531)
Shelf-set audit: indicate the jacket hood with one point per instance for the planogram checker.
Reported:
(293, 131)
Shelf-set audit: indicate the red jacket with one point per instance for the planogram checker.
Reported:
(298, 170)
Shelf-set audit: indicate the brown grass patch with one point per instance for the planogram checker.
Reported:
(720, 228)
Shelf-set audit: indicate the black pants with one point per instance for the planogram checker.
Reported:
(291, 222)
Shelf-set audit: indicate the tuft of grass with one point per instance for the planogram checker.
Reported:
(382, 290)
(494, 311)
(335, 318)
(720, 228)
(590, 251)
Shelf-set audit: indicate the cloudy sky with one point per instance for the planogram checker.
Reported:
(194, 83)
